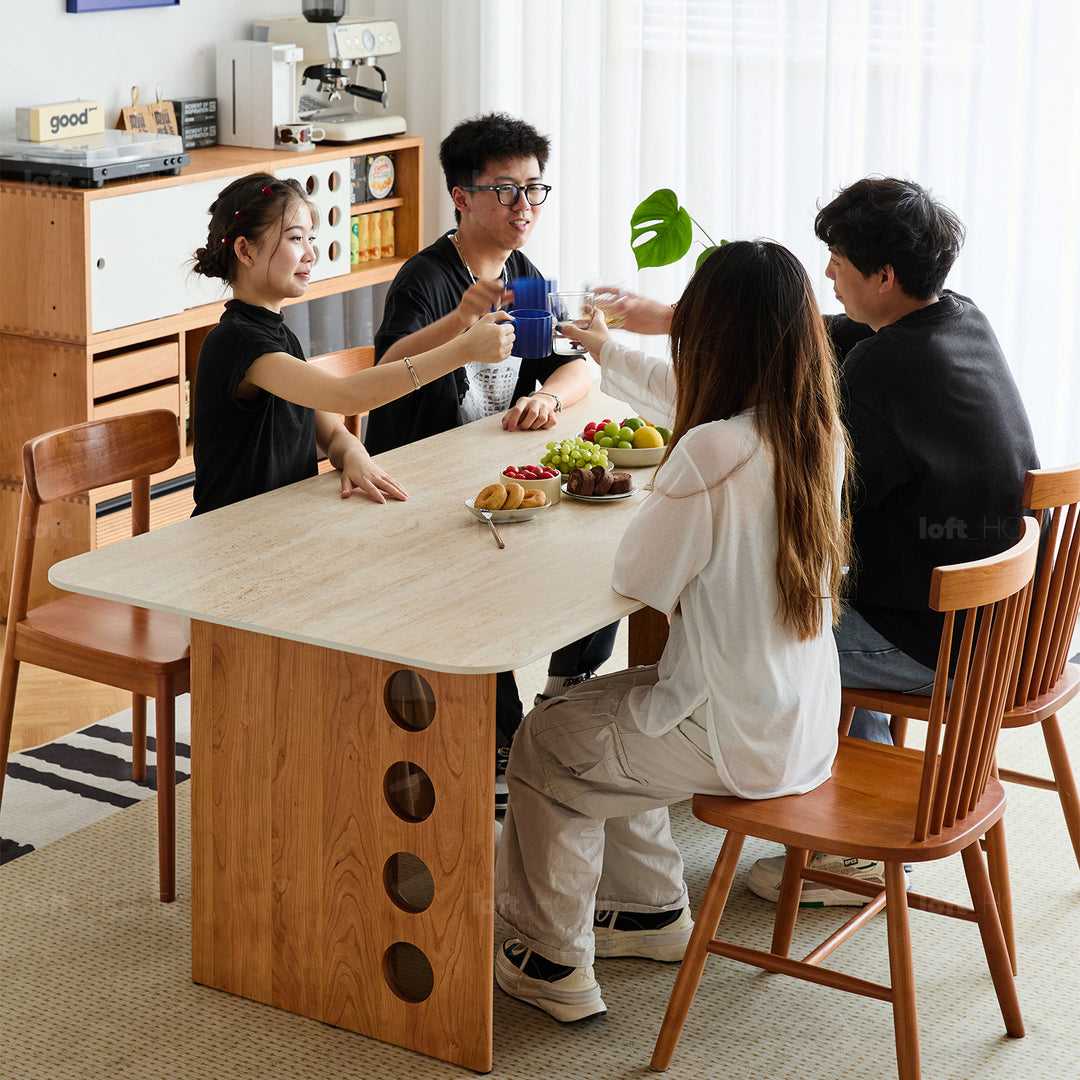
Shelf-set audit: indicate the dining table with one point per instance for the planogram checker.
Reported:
(343, 667)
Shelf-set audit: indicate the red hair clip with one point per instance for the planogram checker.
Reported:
(268, 191)
(238, 213)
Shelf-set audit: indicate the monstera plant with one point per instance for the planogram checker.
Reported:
(661, 231)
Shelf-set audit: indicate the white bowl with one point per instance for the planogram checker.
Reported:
(629, 459)
(507, 517)
(551, 486)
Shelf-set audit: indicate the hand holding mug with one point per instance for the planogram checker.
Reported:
(491, 338)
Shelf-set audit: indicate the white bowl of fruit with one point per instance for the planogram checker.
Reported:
(545, 478)
(632, 441)
(576, 453)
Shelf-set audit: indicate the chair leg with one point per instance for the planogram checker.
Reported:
(901, 973)
(9, 682)
(1066, 782)
(138, 737)
(787, 907)
(997, 955)
(165, 732)
(693, 963)
(997, 862)
(898, 729)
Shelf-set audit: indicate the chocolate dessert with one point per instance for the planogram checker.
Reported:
(580, 482)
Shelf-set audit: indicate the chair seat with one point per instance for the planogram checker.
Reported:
(864, 810)
(1036, 710)
(96, 631)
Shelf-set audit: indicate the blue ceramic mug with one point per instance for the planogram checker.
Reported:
(532, 292)
(532, 333)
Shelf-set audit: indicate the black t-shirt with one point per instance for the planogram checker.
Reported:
(427, 287)
(941, 446)
(244, 448)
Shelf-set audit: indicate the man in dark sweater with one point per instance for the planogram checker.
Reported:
(941, 445)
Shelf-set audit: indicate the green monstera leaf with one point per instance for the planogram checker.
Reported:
(661, 231)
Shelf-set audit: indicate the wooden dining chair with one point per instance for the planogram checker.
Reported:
(132, 648)
(890, 804)
(346, 362)
(1042, 681)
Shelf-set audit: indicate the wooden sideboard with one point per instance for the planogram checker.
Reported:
(100, 314)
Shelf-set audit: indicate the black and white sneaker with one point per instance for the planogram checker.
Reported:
(569, 681)
(660, 935)
(567, 993)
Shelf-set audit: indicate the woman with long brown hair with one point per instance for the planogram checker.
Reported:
(742, 542)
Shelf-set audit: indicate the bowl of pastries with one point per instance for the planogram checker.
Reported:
(508, 502)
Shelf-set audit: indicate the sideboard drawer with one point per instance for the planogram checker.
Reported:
(137, 367)
(157, 397)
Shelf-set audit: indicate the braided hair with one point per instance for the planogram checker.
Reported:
(249, 207)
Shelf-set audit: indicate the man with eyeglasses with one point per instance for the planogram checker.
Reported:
(493, 166)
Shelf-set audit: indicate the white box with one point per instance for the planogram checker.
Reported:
(63, 120)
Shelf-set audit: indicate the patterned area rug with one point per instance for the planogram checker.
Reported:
(63, 786)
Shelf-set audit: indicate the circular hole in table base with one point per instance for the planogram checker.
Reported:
(407, 972)
(408, 882)
(408, 791)
(409, 700)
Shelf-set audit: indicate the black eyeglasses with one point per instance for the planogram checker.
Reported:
(510, 193)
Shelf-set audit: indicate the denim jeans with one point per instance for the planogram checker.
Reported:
(870, 661)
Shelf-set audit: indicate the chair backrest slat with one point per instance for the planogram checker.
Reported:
(991, 596)
(1053, 495)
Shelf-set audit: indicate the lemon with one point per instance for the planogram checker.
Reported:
(646, 438)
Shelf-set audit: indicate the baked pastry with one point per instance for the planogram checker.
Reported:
(621, 483)
(490, 498)
(532, 498)
(580, 482)
(514, 494)
(601, 480)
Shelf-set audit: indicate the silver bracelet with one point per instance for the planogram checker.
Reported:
(412, 372)
(548, 393)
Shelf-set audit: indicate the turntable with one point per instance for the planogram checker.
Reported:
(90, 160)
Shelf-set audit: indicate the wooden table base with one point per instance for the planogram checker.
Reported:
(342, 845)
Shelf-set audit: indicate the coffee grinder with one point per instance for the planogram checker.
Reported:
(338, 54)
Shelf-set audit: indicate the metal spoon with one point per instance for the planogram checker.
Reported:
(486, 515)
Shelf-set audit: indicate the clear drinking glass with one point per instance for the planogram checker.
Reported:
(569, 307)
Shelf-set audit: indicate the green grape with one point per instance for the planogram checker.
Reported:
(625, 445)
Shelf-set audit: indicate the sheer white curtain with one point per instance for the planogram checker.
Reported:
(754, 111)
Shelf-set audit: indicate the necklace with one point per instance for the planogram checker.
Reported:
(461, 255)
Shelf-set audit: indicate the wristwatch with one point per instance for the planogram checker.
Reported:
(548, 393)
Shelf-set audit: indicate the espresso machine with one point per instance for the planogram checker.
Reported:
(334, 87)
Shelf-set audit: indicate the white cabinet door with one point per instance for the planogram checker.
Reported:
(141, 247)
(328, 186)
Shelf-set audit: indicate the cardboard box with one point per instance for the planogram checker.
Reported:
(64, 120)
(196, 121)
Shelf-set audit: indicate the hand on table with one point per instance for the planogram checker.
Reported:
(530, 414)
(360, 473)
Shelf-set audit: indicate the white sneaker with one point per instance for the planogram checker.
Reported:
(766, 874)
(567, 993)
(620, 933)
